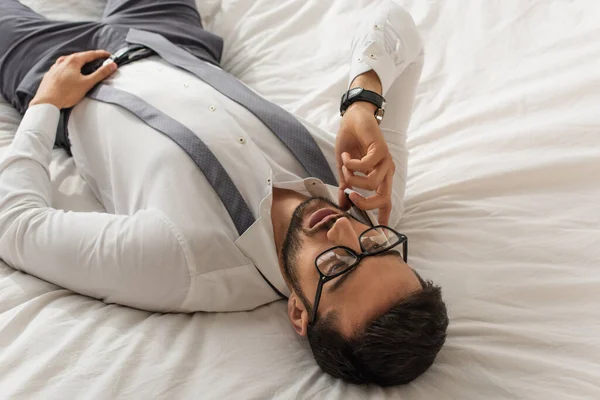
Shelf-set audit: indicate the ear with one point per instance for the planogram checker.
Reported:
(298, 314)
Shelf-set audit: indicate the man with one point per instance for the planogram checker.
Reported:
(211, 192)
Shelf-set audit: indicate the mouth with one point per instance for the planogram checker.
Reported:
(321, 216)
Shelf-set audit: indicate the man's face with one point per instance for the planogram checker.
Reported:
(358, 296)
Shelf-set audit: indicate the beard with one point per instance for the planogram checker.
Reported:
(295, 236)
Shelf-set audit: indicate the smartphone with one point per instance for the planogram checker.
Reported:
(360, 214)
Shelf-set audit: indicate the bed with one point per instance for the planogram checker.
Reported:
(502, 211)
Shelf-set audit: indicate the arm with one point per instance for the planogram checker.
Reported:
(387, 59)
(112, 257)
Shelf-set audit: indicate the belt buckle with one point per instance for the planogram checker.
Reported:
(131, 53)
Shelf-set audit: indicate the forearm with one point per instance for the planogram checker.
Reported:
(387, 59)
(97, 254)
(369, 80)
(24, 175)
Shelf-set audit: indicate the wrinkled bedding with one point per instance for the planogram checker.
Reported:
(501, 210)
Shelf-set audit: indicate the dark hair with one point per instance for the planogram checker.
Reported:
(393, 349)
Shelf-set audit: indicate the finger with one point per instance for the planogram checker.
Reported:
(345, 157)
(342, 200)
(368, 203)
(60, 59)
(368, 162)
(369, 182)
(385, 190)
(102, 73)
(384, 214)
(87, 56)
(378, 200)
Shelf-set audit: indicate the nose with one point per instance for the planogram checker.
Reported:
(342, 233)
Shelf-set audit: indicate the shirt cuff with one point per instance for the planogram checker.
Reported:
(41, 118)
(374, 58)
(387, 44)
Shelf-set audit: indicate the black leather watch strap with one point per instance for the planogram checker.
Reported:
(360, 94)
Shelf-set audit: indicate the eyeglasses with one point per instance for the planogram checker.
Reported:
(340, 260)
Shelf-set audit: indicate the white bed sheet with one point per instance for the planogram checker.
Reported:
(501, 210)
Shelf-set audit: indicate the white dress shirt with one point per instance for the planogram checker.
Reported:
(166, 242)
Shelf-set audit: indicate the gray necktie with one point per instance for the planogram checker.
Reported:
(287, 128)
(195, 148)
(291, 132)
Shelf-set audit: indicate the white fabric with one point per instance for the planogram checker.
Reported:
(501, 210)
(167, 242)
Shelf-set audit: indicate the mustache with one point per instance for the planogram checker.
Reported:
(329, 224)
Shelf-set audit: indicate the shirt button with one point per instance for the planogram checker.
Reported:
(372, 56)
(359, 59)
(376, 26)
(186, 85)
(269, 181)
(241, 140)
(212, 108)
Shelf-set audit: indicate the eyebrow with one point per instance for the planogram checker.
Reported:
(340, 281)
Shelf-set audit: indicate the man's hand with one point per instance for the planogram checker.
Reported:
(64, 85)
(360, 147)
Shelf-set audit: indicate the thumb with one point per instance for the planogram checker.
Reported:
(103, 72)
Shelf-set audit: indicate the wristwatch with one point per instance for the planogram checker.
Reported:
(361, 94)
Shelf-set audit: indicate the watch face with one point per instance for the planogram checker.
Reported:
(354, 92)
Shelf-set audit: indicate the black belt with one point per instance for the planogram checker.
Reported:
(122, 57)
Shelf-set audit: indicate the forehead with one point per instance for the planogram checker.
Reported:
(377, 283)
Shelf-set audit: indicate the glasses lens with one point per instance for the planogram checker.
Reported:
(335, 261)
(378, 239)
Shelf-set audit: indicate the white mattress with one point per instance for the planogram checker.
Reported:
(502, 210)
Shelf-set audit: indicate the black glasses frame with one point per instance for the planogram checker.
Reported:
(364, 254)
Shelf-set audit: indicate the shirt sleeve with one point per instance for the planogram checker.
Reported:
(136, 260)
(386, 41)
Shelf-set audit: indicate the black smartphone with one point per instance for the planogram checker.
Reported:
(360, 214)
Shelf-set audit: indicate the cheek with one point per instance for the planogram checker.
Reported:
(359, 227)
(307, 273)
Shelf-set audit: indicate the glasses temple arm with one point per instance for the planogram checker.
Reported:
(313, 314)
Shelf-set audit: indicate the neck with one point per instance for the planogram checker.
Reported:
(284, 203)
